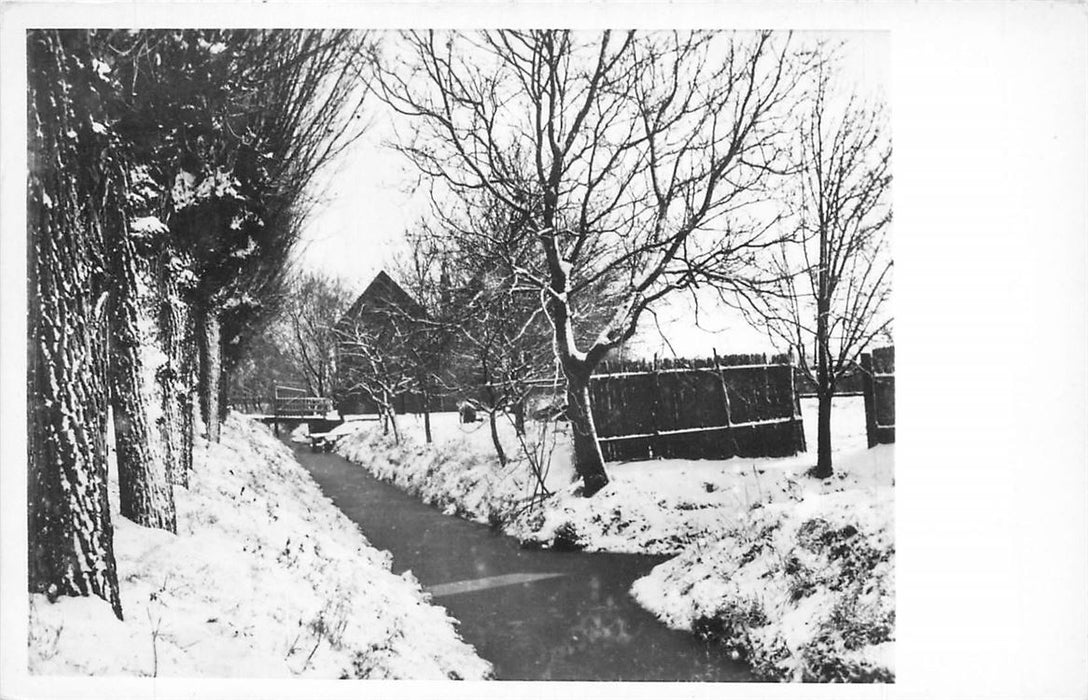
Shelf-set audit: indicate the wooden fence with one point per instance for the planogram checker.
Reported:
(712, 408)
(879, 386)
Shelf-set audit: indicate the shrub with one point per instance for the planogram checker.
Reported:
(730, 626)
(567, 539)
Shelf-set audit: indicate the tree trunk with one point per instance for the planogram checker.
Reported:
(491, 413)
(823, 467)
(588, 460)
(69, 532)
(171, 324)
(824, 387)
(426, 416)
(519, 417)
(224, 396)
(210, 362)
(147, 497)
(185, 402)
(393, 425)
(495, 436)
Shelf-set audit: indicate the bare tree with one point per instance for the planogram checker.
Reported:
(832, 278)
(627, 156)
(308, 333)
(371, 362)
(500, 334)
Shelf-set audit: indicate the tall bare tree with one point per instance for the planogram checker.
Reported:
(628, 156)
(832, 276)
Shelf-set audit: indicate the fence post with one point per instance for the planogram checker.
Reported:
(868, 388)
(732, 435)
(655, 441)
(798, 418)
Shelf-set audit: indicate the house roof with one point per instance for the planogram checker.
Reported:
(383, 294)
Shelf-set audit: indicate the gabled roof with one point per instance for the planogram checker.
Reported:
(383, 294)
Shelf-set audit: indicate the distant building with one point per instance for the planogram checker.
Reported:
(388, 317)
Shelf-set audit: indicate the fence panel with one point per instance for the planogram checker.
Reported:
(696, 409)
(878, 369)
(690, 399)
(613, 393)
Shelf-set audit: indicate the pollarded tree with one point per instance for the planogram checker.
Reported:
(627, 155)
(832, 277)
(70, 536)
(231, 126)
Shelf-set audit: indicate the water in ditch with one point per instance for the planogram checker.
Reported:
(534, 614)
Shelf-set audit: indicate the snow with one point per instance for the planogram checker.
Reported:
(148, 226)
(708, 513)
(818, 596)
(265, 578)
(656, 506)
(301, 433)
(459, 472)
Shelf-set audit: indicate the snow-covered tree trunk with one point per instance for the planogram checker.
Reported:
(186, 401)
(425, 398)
(577, 368)
(824, 386)
(588, 460)
(492, 420)
(147, 496)
(171, 323)
(210, 370)
(70, 535)
(518, 409)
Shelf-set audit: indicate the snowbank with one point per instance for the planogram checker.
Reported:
(265, 578)
(301, 433)
(803, 589)
(459, 472)
(793, 573)
(657, 507)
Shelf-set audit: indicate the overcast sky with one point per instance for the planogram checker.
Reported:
(370, 198)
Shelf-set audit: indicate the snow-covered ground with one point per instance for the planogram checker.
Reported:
(801, 557)
(656, 506)
(803, 587)
(265, 578)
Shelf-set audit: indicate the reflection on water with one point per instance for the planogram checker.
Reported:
(580, 625)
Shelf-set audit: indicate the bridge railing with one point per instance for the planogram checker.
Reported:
(302, 405)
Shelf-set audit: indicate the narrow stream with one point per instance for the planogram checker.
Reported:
(534, 614)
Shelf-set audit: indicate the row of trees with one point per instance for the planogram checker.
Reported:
(168, 172)
(582, 178)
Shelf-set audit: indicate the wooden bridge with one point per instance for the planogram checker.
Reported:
(286, 405)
